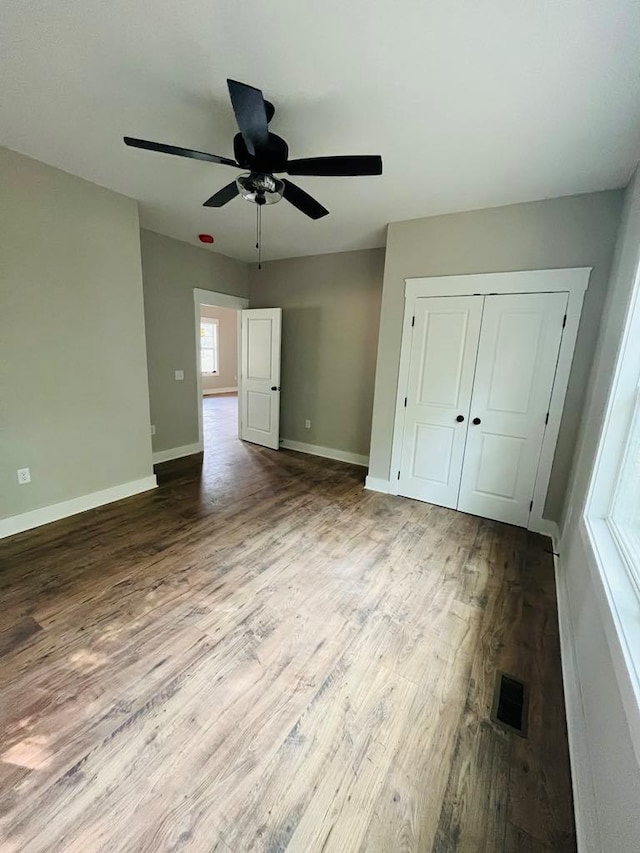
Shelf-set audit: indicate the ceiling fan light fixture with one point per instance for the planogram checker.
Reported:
(260, 188)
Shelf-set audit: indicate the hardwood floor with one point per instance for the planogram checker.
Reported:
(262, 656)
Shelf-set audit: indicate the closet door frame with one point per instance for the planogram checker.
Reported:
(572, 281)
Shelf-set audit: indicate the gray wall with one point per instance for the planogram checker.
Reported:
(227, 376)
(330, 313)
(576, 231)
(73, 373)
(604, 750)
(171, 270)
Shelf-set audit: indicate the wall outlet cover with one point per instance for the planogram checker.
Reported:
(153, 429)
(179, 375)
(24, 475)
(307, 424)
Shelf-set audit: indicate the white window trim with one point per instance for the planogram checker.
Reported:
(214, 322)
(612, 575)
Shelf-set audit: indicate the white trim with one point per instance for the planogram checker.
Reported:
(217, 300)
(617, 599)
(584, 799)
(46, 514)
(177, 452)
(208, 392)
(571, 281)
(377, 484)
(546, 528)
(326, 452)
(556, 404)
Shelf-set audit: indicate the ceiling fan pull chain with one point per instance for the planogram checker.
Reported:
(259, 234)
(257, 229)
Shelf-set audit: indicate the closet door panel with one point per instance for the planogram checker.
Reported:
(517, 357)
(444, 345)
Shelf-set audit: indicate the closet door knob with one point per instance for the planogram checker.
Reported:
(476, 421)
(460, 418)
(274, 388)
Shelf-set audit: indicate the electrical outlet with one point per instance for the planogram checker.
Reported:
(307, 424)
(179, 375)
(24, 475)
(153, 429)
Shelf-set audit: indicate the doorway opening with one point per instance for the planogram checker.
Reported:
(217, 337)
(219, 375)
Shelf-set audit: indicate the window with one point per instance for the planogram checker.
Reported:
(208, 346)
(610, 523)
(624, 516)
(613, 506)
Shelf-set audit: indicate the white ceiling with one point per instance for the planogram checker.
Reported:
(472, 103)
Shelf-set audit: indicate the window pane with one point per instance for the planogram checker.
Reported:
(625, 514)
(206, 361)
(206, 335)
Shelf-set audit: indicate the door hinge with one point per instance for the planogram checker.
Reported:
(530, 506)
(413, 321)
(546, 420)
(398, 475)
(564, 321)
(405, 402)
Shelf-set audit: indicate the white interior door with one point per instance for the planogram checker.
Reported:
(516, 364)
(260, 376)
(444, 344)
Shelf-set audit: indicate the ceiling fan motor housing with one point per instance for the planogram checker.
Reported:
(269, 158)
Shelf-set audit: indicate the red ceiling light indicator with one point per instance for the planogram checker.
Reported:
(205, 238)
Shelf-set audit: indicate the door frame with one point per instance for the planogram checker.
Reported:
(215, 300)
(573, 281)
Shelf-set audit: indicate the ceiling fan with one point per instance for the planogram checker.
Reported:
(264, 154)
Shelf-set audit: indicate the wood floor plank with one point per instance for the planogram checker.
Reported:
(262, 656)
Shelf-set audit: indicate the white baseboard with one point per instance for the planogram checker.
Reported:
(177, 452)
(546, 528)
(208, 392)
(584, 800)
(326, 452)
(46, 514)
(377, 484)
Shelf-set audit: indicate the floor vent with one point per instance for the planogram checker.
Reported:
(510, 704)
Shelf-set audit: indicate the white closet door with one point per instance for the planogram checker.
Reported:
(443, 353)
(517, 357)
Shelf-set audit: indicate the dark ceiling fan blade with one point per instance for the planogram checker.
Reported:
(180, 152)
(251, 114)
(303, 201)
(336, 166)
(222, 196)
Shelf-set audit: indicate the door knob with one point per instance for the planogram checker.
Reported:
(274, 388)
(460, 418)
(476, 421)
